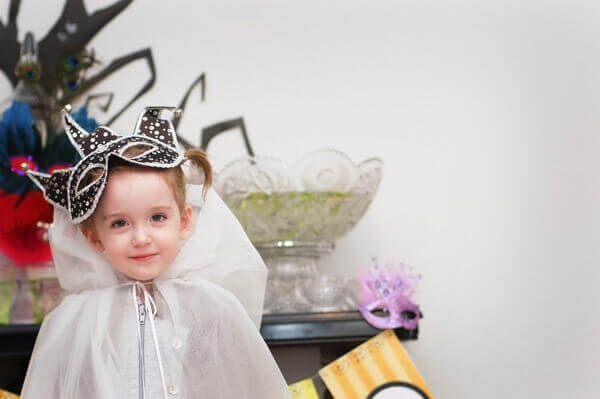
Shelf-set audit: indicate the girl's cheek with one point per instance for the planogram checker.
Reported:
(118, 244)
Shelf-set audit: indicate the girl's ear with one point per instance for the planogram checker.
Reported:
(187, 222)
(93, 239)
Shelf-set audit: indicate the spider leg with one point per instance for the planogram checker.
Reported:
(9, 43)
(103, 107)
(200, 80)
(70, 34)
(209, 132)
(115, 65)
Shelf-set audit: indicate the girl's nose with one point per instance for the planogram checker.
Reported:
(140, 237)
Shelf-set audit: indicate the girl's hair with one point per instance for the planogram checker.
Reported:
(174, 177)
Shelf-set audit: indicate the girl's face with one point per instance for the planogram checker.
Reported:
(138, 225)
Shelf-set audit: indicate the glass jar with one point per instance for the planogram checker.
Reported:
(7, 284)
(46, 291)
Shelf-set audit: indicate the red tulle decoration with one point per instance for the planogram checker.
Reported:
(20, 239)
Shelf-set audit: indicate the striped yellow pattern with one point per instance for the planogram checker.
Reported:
(380, 360)
(304, 389)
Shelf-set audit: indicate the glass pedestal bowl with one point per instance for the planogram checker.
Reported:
(293, 213)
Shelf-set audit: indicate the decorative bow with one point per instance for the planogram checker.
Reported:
(78, 189)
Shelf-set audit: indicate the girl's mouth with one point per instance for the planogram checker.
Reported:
(143, 258)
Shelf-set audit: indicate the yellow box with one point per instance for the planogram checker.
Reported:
(7, 395)
(304, 389)
(379, 364)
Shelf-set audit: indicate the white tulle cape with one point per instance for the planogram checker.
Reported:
(209, 305)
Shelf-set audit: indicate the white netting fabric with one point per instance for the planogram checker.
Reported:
(209, 305)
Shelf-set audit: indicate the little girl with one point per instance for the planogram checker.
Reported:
(163, 290)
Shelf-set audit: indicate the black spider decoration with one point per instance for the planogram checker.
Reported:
(51, 73)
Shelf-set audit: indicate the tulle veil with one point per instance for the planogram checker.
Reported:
(209, 306)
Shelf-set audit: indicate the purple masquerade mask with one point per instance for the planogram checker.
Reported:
(77, 189)
(388, 290)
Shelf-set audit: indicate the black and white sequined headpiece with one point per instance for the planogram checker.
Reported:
(73, 190)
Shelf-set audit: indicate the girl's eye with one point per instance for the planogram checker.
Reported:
(118, 223)
(159, 217)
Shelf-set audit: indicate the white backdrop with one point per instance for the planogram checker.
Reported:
(486, 115)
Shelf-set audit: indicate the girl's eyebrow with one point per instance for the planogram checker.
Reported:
(111, 215)
(161, 208)
(153, 209)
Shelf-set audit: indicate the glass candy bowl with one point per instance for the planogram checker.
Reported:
(293, 213)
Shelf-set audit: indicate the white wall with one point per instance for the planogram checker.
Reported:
(486, 114)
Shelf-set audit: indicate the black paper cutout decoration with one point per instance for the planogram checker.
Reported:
(76, 191)
(51, 73)
(210, 132)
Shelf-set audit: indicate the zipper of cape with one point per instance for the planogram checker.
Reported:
(142, 320)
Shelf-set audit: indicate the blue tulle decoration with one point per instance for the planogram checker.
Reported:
(85, 121)
(20, 142)
(17, 137)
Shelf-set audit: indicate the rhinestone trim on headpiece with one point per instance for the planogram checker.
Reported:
(63, 187)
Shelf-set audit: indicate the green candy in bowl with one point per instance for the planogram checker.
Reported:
(293, 213)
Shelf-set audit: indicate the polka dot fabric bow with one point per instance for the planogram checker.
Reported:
(78, 189)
